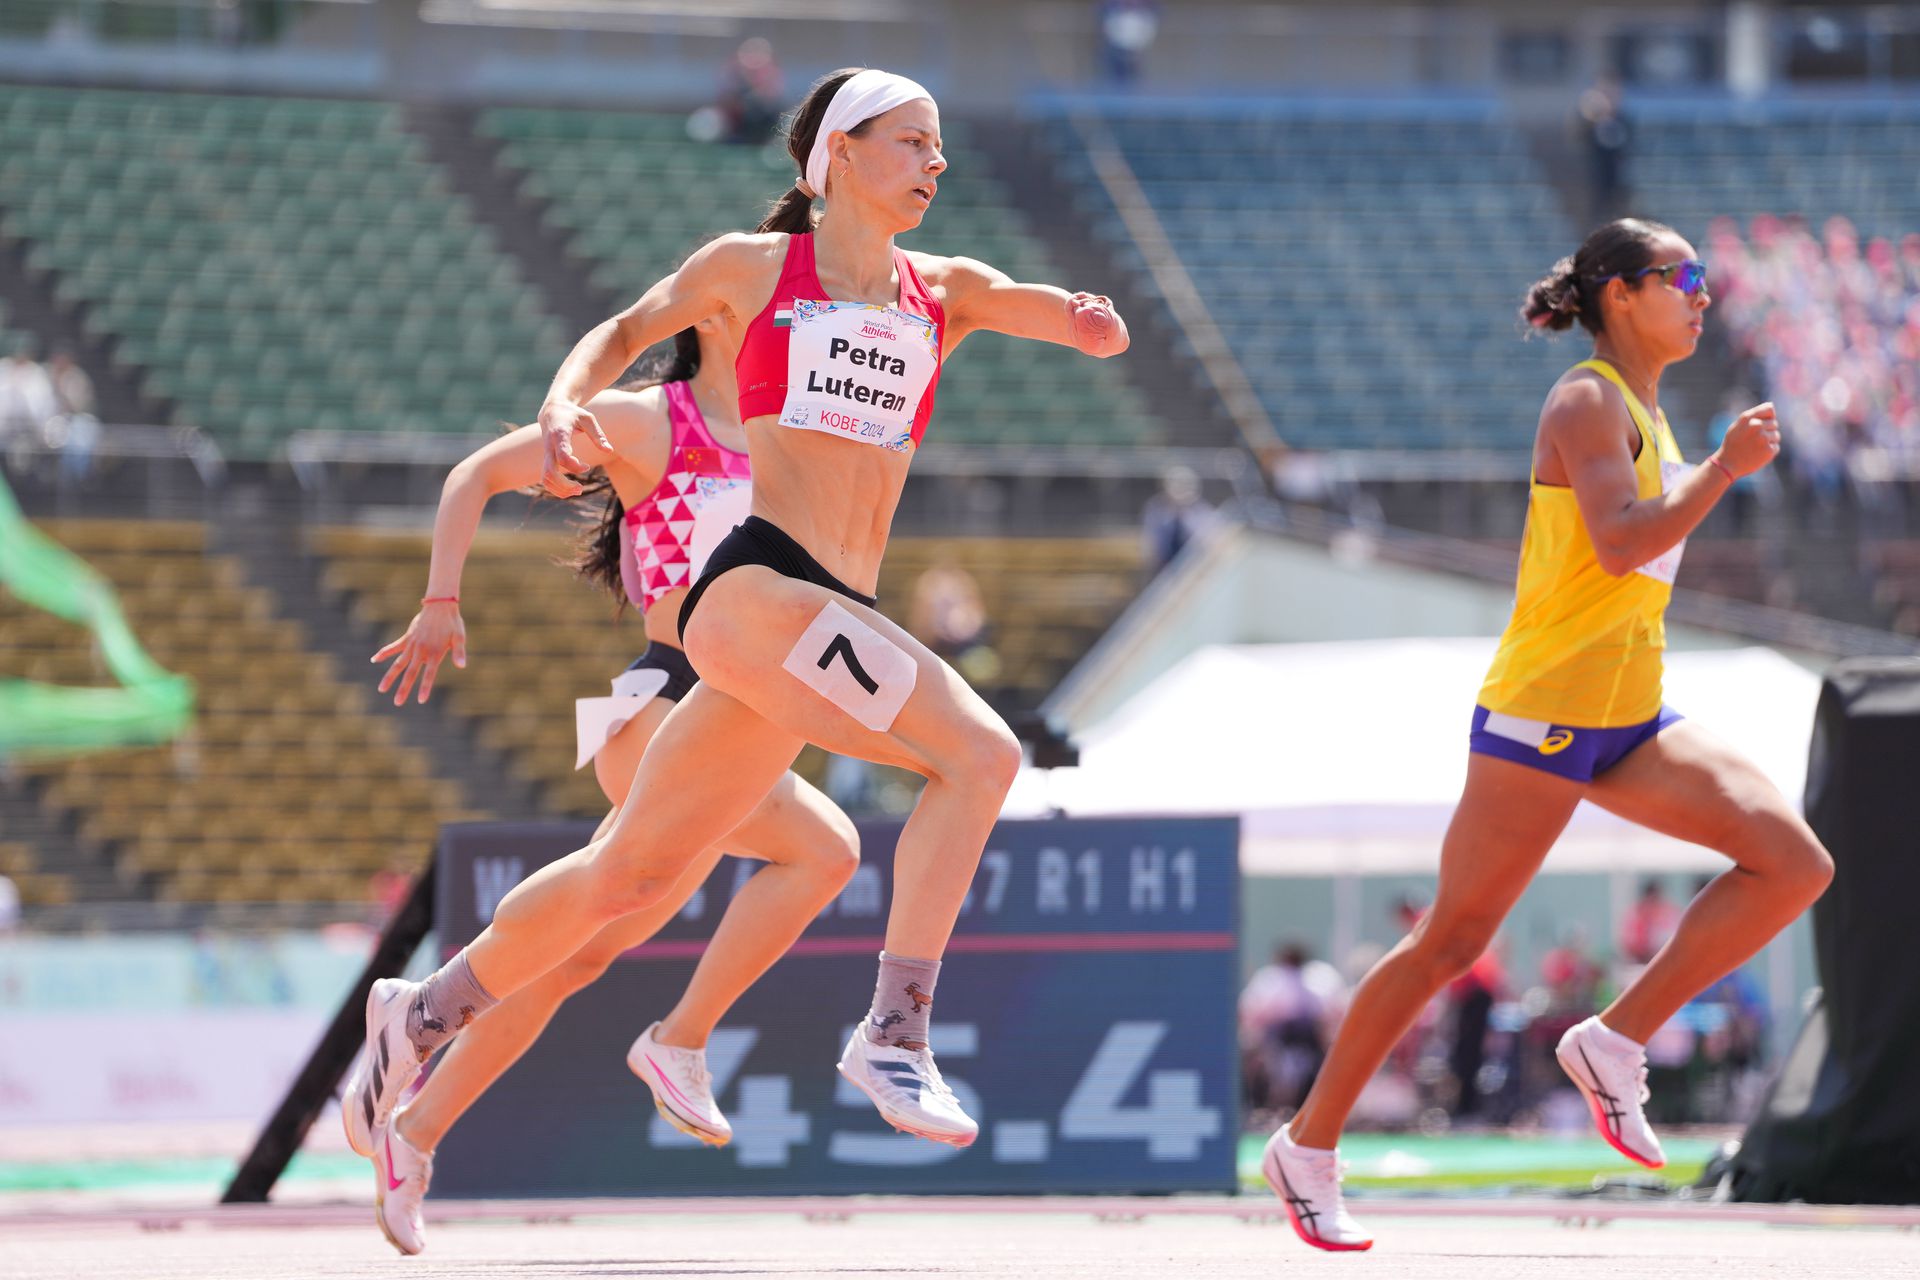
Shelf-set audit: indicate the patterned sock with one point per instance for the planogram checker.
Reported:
(445, 1002)
(902, 999)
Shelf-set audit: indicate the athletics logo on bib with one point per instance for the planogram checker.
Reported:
(858, 370)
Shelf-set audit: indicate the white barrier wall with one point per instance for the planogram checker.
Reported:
(124, 1067)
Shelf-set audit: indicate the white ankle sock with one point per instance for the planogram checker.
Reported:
(1611, 1039)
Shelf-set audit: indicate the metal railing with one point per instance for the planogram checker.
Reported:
(179, 467)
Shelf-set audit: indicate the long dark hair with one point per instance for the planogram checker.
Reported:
(792, 213)
(596, 552)
(1571, 291)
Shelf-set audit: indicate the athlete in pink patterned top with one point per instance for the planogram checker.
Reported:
(705, 490)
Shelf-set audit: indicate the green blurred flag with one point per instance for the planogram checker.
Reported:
(150, 704)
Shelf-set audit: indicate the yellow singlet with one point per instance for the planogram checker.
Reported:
(1583, 647)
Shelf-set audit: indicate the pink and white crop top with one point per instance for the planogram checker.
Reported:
(706, 490)
(859, 370)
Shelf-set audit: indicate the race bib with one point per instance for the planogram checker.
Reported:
(1665, 567)
(719, 504)
(858, 370)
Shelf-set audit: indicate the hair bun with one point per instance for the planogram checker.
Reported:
(1554, 301)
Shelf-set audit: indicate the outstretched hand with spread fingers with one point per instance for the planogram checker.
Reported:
(434, 632)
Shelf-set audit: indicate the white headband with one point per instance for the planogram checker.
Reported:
(865, 94)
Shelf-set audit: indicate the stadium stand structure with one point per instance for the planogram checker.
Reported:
(1896, 565)
(1365, 270)
(537, 639)
(1811, 162)
(285, 790)
(137, 22)
(12, 338)
(636, 195)
(1689, 167)
(272, 264)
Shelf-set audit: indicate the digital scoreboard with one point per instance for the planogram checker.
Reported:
(1086, 1019)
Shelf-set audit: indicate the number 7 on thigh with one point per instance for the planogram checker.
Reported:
(854, 667)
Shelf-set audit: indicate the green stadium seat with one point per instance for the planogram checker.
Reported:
(290, 235)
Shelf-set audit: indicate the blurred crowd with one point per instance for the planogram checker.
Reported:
(1482, 1053)
(1832, 324)
(48, 406)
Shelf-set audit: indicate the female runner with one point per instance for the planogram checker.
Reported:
(841, 339)
(1571, 710)
(677, 479)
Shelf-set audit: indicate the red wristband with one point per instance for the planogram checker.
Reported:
(1715, 460)
(439, 599)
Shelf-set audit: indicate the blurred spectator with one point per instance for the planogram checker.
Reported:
(228, 23)
(27, 400)
(753, 92)
(1572, 976)
(72, 388)
(849, 783)
(1649, 924)
(1465, 1009)
(1174, 517)
(1606, 134)
(1289, 1011)
(948, 614)
(1741, 1038)
(9, 906)
(1834, 327)
(1407, 912)
(1470, 1000)
(1302, 475)
(1743, 496)
(1128, 29)
(1570, 991)
(74, 430)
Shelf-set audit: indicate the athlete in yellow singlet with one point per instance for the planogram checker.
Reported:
(1571, 709)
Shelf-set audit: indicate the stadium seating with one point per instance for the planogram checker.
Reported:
(537, 638)
(285, 789)
(1046, 599)
(1366, 271)
(12, 338)
(35, 885)
(273, 264)
(144, 22)
(1805, 315)
(637, 195)
(1689, 167)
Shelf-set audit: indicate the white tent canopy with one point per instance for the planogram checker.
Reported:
(1349, 757)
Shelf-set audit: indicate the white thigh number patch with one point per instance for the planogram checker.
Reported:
(854, 667)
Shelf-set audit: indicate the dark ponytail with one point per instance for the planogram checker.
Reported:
(1571, 291)
(792, 213)
(597, 550)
